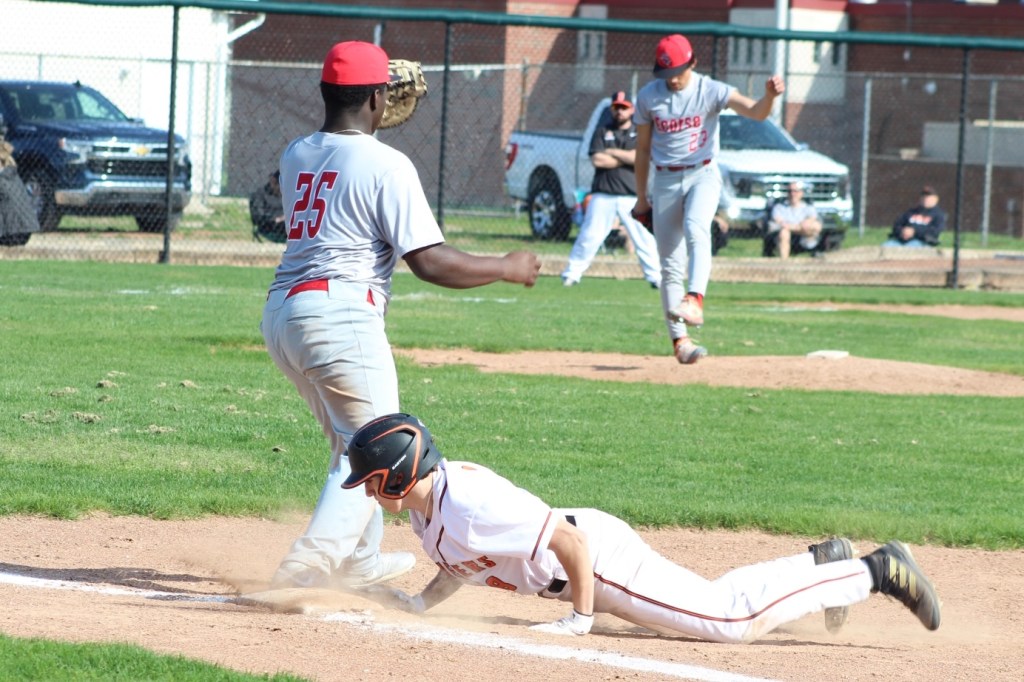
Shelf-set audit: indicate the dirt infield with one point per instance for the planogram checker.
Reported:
(169, 585)
(478, 635)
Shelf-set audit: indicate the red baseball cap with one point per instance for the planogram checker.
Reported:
(673, 56)
(354, 62)
(619, 99)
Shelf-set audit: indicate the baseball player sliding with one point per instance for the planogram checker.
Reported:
(480, 529)
(353, 207)
(677, 130)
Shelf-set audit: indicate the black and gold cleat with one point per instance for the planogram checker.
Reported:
(896, 574)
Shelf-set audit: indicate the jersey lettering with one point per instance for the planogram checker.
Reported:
(697, 140)
(465, 569)
(674, 125)
(500, 584)
(310, 188)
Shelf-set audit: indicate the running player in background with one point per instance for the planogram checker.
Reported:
(353, 206)
(480, 529)
(677, 130)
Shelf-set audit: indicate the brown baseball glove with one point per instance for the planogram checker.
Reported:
(404, 92)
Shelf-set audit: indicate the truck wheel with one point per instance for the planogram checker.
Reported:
(39, 185)
(549, 218)
(156, 221)
(15, 239)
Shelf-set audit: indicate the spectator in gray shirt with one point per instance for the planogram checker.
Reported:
(795, 218)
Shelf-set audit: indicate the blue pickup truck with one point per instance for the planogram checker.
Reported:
(78, 154)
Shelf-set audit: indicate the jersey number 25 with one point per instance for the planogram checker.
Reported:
(310, 204)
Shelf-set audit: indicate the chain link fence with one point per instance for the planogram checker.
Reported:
(883, 119)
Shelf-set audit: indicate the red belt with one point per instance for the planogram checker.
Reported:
(682, 168)
(321, 285)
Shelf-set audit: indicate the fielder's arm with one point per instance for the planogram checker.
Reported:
(760, 109)
(642, 166)
(446, 266)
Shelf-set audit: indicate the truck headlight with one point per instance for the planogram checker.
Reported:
(78, 149)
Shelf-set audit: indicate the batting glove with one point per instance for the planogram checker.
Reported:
(573, 624)
(409, 603)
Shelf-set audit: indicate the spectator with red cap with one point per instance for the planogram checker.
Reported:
(612, 195)
(353, 206)
(677, 132)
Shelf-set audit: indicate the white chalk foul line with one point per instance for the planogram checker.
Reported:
(434, 634)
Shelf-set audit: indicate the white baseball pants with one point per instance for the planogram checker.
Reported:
(635, 583)
(597, 224)
(332, 346)
(684, 204)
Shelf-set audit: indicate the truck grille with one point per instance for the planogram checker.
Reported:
(134, 167)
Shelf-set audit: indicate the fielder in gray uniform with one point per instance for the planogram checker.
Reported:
(353, 207)
(677, 131)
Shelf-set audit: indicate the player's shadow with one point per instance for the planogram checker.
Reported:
(641, 633)
(613, 368)
(644, 633)
(136, 578)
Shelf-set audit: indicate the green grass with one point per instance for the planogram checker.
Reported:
(144, 389)
(38, 660)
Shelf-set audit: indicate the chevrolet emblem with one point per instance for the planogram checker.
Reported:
(140, 150)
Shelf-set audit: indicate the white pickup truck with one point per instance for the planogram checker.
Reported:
(548, 170)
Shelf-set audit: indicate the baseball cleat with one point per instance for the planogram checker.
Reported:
(389, 565)
(688, 353)
(895, 573)
(689, 311)
(836, 549)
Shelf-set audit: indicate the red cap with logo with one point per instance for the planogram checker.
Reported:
(673, 56)
(620, 100)
(354, 62)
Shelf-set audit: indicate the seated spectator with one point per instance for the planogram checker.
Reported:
(920, 225)
(794, 217)
(266, 210)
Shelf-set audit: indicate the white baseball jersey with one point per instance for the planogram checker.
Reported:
(684, 124)
(487, 531)
(353, 206)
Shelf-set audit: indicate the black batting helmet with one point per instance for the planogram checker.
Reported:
(398, 447)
